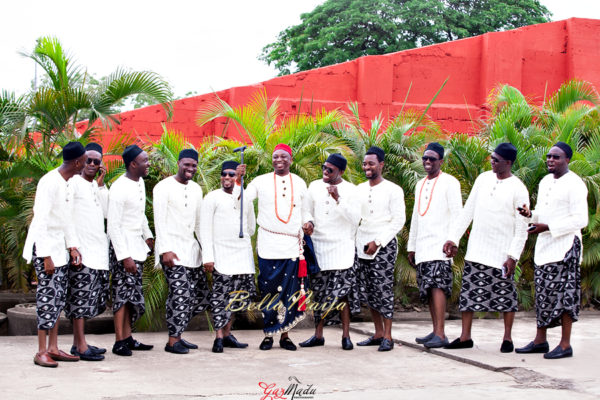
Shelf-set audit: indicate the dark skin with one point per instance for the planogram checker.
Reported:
(186, 169)
(333, 176)
(282, 160)
(92, 169)
(372, 168)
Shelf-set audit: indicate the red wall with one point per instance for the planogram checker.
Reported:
(536, 59)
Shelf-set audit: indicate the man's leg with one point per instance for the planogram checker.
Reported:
(567, 325)
(127, 321)
(387, 324)
(119, 317)
(53, 339)
(345, 317)
(79, 335)
(378, 322)
(437, 306)
(467, 323)
(42, 335)
(509, 319)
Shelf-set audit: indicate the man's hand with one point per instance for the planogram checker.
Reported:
(411, 259)
(75, 257)
(209, 267)
(450, 248)
(150, 243)
(524, 211)
(333, 192)
(48, 266)
(240, 170)
(101, 175)
(308, 228)
(509, 266)
(537, 228)
(169, 258)
(129, 265)
(371, 248)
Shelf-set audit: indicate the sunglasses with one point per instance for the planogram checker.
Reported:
(496, 160)
(552, 157)
(93, 160)
(229, 174)
(431, 159)
(326, 168)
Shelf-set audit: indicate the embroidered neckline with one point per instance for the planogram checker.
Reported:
(291, 200)
(430, 195)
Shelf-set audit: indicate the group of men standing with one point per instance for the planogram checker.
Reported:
(345, 233)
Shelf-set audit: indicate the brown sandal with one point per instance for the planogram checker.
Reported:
(44, 360)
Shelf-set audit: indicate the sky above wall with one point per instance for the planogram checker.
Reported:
(196, 45)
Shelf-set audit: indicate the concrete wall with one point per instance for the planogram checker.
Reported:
(536, 59)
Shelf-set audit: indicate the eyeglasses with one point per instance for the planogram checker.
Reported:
(431, 159)
(326, 168)
(553, 157)
(93, 160)
(229, 174)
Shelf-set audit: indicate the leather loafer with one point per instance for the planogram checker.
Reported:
(346, 343)
(88, 355)
(507, 346)
(177, 348)
(386, 345)
(534, 348)
(231, 341)
(44, 360)
(217, 345)
(436, 342)
(188, 344)
(313, 341)
(94, 349)
(457, 344)
(370, 342)
(425, 339)
(62, 356)
(559, 352)
(287, 344)
(266, 344)
(120, 348)
(135, 345)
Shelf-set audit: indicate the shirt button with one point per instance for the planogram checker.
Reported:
(327, 202)
(371, 211)
(283, 195)
(284, 188)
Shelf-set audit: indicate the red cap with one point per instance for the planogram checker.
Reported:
(283, 147)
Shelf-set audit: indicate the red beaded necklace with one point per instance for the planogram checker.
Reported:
(291, 200)
(430, 195)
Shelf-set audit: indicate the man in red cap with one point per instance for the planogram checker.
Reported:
(279, 245)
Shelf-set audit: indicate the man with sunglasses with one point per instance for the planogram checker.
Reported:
(437, 203)
(560, 214)
(226, 255)
(177, 202)
(88, 282)
(331, 203)
(496, 241)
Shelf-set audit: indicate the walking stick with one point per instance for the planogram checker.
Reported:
(241, 149)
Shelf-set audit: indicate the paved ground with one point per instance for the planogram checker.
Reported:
(406, 372)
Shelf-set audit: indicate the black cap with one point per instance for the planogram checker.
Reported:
(378, 151)
(72, 151)
(438, 148)
(566, 148)
(338, 160)
(130, 153)
(188, 153)
(229, 165)
(94, 147)
(506, 151)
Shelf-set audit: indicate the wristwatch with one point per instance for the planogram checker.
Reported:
(377, 243)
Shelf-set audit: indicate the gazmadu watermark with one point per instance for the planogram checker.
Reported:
(295, 390)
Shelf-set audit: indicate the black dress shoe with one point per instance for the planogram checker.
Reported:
(88, 355)
(177, 348)
(266, 344)
(217, 345)
(231, 341)
(120, 348)
(457, 344)
(507, 346)
(425, 339)
(386, 345)
(558, 352)
(534, 348)
(313, 341)
(346, 343)
(370, 342)
(286, 343)
(135, 345)
(94, 349)
(188, 344)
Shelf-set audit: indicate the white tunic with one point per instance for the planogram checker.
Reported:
(291, 190)
(90, 205)
(498, 231)
(127, 224)
(562, 205)
(429, 232)
(383, 215)
(176, 218)
(51, 229)
(220, 229)
(335, 223)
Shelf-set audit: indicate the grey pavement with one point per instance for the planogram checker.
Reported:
(323, 372)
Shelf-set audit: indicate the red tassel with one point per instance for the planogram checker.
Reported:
(302, 303)
(302, 270)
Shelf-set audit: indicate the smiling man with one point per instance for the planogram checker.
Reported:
(495, 244)
(382, 217)
(332, 206)
(437, 203)
(560, 214)
(177, 202)
(130, 242)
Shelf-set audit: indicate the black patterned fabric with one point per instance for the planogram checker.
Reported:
(330, 286)
(224, 288)
(187, 297)
(51, 293)
(126, 287)
(87, 293)
(435, 274)
(558, 289)
(375, 280)
(484, 289)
